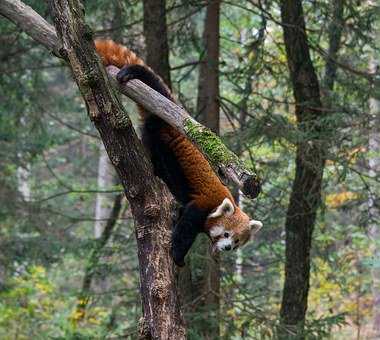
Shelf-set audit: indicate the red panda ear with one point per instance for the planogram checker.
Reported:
(255, 226)
(225, 208)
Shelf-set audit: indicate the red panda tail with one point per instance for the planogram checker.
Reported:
(132, 67)
(115, 54)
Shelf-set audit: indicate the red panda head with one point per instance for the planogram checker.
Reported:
(229, 227)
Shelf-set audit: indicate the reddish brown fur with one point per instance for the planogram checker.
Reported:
(208, 190)
(115, 54)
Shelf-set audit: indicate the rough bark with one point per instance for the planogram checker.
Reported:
(156, 38)
(226, 164)
(310, 160)
(205, 269)
(149, 198)
(208, 85)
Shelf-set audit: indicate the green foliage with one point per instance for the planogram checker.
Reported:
(33, 307)
(46, 239)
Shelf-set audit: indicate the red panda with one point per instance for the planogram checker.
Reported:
(208, 205)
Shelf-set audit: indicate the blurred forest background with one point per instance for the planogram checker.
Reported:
(66, 232)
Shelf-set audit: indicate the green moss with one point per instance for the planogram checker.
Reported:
(210, 143)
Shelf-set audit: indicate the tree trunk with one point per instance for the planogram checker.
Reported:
(374, 211)
(334, 36)
(310, 160)
(208, 86)
(23, 174)
(156, 38)
(150, 200)
(104, 202)
(205, 270)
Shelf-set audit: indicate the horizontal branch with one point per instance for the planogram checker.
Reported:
(225, 163)
(31, 23)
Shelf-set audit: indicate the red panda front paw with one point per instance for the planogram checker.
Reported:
(139, 72)
(178, 250)
(125, 74)
(178, 260)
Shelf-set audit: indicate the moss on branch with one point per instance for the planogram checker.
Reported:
(210, 143)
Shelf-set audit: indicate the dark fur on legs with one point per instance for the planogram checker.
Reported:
(186, 231)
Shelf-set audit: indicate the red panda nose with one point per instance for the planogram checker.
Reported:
(227, 247)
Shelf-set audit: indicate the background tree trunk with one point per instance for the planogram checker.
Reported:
(374, 210)
(205, 270)
(23, 174)
(104, 202)
(334, 40)
(208, 84)
(310, 160)
(156, 38)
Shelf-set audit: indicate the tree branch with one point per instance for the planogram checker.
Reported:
(31, 23)
(225, 163)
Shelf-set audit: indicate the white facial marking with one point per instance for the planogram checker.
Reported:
(223, 243)
(216, 231)
(225, 208)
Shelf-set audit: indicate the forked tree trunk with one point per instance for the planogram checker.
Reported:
(150, 200)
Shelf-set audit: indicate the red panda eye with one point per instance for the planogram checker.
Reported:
(237, 241)
(226, 234)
